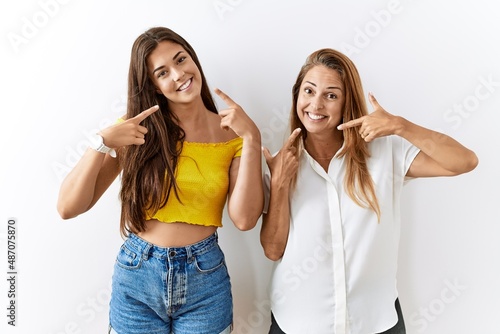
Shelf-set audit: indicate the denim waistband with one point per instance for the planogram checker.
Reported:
(148, 249)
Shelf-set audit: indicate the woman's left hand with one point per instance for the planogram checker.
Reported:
(235, 118)
(379, 123)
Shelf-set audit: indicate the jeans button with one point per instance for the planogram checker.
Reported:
(172, 253)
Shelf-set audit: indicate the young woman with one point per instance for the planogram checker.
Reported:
(333, 219)
(180, 160)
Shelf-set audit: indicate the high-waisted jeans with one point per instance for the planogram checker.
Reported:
(182, 290)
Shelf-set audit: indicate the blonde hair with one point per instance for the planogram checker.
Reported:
(357, 181)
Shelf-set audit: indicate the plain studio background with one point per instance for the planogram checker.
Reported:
(64, 72)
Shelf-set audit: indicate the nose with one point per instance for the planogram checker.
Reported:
(317, 103)
(177, 75)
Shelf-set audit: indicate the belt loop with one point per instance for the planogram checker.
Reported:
(189, 254)
(145, 253)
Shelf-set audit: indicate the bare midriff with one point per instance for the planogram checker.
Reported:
(177, 234)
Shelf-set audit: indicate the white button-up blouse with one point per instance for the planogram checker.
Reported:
(338, 271)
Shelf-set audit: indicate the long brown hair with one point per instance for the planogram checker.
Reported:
(149, 170)
(357, 182)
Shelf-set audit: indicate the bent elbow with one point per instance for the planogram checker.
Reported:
(273, 255)
(245, 224)
(272, 251)
(64, 215)
(473, 162)
(64, 212)
(469, 164)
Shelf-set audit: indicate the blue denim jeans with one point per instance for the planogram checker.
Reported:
(182, 290)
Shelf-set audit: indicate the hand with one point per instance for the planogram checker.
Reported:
(235, 118)
(284, 164)
(128, 132)
(377, 124)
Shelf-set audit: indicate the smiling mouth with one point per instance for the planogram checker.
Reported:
(185, 85)
(315, 117)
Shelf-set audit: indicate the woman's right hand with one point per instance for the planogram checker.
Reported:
(94, 173)
(284, 164)
(128, 132)
(276, 221)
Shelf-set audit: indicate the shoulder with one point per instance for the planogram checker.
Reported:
(387, 144)
(222, 135)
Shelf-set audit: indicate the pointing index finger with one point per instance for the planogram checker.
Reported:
(146, 113)
(224, 97)
(351, 124)
(373, 100)
(291, 140)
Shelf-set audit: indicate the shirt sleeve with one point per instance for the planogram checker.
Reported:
(408, 152)
(266, 180)
(238, 148)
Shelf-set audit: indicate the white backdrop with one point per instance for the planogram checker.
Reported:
(63, 73)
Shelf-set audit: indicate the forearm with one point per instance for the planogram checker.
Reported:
(77, 190)
(276, 222)
(247, 196)
(444, 150)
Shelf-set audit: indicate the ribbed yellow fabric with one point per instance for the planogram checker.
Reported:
(202, 178)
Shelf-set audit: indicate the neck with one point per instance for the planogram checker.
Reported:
(190, 114)
(323, 148)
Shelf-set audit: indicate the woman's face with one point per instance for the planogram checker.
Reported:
(321, 100)
(174, 73)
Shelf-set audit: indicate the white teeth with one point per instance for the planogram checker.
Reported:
(185, 85)
(315, 116)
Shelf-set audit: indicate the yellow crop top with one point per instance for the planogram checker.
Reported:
(202, 178)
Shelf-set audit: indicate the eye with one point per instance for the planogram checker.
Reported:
(181, 59)
(308, 91)
(162, 73)
(331, 96)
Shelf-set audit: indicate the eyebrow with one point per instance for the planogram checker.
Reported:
(331, 87)
(173, 58)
